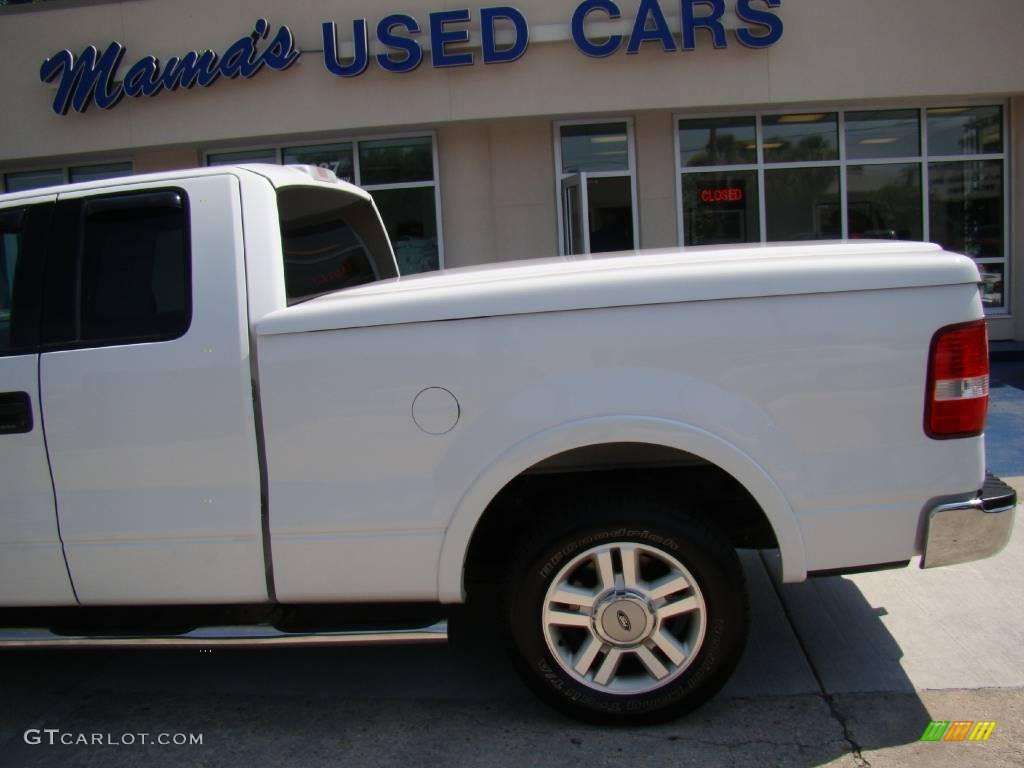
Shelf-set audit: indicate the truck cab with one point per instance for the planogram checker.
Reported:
(127, 313)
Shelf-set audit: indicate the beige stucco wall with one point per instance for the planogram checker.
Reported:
(656, 186)
(498, 199)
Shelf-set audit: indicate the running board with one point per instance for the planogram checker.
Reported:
(238, 637)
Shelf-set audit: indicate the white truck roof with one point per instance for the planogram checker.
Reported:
(278, 175)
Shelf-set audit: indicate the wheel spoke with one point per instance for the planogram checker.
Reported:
(574, 596)
(679, 607)
(584, 658)
(605, 569)
(669, 646)
(566, 619)
(668, 586)
(650, 661)
(608, 667)
(630, 566)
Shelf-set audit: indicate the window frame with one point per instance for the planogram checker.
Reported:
(560, 175)
(65, 256)
(923, 161)
(279, 148)
(65, 171)
(23, 210)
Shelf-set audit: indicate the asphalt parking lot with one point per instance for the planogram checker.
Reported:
(843, 671)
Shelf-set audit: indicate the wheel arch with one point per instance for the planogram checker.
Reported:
(615, 429)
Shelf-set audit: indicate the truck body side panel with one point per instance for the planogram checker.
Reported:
(823, 392)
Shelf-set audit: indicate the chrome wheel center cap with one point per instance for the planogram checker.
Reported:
(624, 619)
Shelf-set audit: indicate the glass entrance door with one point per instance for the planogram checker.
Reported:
(575, 218)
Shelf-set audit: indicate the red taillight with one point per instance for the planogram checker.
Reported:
(957, 396)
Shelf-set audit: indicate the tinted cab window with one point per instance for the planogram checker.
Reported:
(10, 249)
(331, 240)
(22, 236)
(120, 270)
(134, 268)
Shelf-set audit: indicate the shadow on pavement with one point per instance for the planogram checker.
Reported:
(459, 704)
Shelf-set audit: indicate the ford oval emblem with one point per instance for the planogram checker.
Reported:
(624, 621)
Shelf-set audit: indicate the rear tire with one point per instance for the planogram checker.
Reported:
(624, 617)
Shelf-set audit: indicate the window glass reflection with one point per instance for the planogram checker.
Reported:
(993, 287)
(396, 161)
(802, 203)
(800, 138)
(965, 130)
(718, 141)
(244, 156)
(335, 157)
(721, 208)
(884, 201)
(95, 172)
(22, 182)
(410, 216)
(595, 147)
(880, 134)
(966, 204)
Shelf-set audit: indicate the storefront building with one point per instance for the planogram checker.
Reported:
(489, 133)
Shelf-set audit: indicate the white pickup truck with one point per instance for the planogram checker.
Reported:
(224, 418)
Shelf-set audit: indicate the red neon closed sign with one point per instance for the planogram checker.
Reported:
(722, 195)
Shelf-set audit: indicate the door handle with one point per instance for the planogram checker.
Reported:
(15, 413)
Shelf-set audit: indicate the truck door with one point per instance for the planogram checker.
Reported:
(147, 395)
(32, 568)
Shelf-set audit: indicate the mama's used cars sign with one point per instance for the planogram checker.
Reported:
(402, 44)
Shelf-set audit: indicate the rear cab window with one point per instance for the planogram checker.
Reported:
(331, 240)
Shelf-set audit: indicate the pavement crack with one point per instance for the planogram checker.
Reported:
(830, 702)
(837, 715)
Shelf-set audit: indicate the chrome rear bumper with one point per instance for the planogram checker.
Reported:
(970, 530)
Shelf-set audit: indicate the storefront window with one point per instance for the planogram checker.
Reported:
(396, 161)
(726, 141)
(21, 182)
(94, 172)
(721, 207)
(400, 175)
(596, 201)
(936, 174)
(993, 291)
(967, 190)
(883, 134)
(335, 157)
(240, 158)
(884, 201)
(966, 207)
(965, 131)
(803, 204)
(800, 138)
(595, 147)
(410, 216)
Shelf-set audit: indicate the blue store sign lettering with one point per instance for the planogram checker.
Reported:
(94, 78)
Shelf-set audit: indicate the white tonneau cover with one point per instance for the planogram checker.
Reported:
(628, 279)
